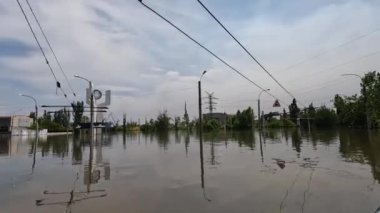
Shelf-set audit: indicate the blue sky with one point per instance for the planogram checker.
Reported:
(149, 66)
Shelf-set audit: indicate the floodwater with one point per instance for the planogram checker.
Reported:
(335, 170)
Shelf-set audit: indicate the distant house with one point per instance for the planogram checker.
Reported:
(9, 124)
(220, 117)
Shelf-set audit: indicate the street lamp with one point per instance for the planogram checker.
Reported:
(258, 106)
(36, 122)
(36, 108)
(365, 99)
(91, 104)
(200, 102)
(200, 133)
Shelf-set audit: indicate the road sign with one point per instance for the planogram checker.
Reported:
(276, 103)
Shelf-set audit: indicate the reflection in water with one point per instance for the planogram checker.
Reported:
(163, 139)
(261, 147)
(202, 169)
(187, 142)
(59, 147)
(92, 174)
(296, 141)
(73, 197)
(360, 146)
(124, 140)
(5, 144)
(35, 144)
(297, 164)
(96, 168)
(77, 152)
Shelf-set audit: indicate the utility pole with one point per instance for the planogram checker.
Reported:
(91, 110)
(200, 105)
(258, 107)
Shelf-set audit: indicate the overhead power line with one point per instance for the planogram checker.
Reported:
(333, 48)
(58, 84)
(206, 49)
(245, 49)
(50, 47)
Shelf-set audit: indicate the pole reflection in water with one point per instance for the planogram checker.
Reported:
(187, 142)
(261, 147)
(34, 152)
(124, 140)
(202, 168)
(76, 196)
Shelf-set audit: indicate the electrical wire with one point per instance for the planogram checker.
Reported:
(50, 47)
(336, 66)
(58, 84)
(329, 50)
(206, 49)
(245, 49)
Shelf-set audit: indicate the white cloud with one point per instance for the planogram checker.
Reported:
(149, 66)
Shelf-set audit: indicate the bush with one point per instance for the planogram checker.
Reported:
(275, 123)
(211, 124)
(325, 117)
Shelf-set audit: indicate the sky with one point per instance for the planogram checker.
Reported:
(149, 66)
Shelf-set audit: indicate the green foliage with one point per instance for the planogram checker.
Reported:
(288, 123)
(46, 122)
(350, 110)
(77, 112)
(241, 120)
(162, 122)
(325, 117)
(294, 110)
(62, 117)
(308, 112)
(371, 95)
(276, 123)
(148, 126)
(211, 124)
(177, 122)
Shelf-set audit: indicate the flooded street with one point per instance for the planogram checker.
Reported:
(276, 171)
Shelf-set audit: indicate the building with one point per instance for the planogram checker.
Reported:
(15, 123)
(220, 117)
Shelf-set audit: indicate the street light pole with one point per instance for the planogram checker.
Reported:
(200, 102)
(258, 106)
(369, 125)
(36, 108)
(37, 131)
(91, 104)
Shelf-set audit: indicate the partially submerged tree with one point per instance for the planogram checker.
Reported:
(163, 121)
(294, 111)
(78, 109)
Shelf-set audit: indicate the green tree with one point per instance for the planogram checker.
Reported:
(78, 108)
(211, 124)
(241, 120)
(350, 110)
(294, 111)
(325, 117)
(177, 122)
(371, 94)
(62, 117)
(163, 121)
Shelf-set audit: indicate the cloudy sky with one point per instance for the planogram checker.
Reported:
(149, 66)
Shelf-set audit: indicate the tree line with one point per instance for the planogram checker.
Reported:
(356, 111)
